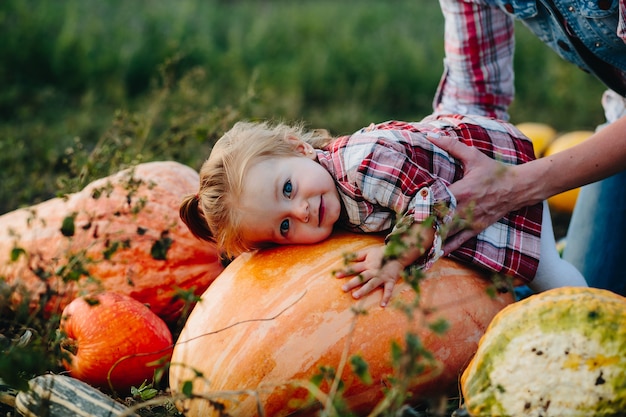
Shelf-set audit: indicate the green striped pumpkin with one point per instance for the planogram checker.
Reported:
(62, 396)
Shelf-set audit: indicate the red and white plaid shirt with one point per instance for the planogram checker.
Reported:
(478, 66)
(479, 48)
(390, 170)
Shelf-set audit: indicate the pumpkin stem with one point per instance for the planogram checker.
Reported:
(70, 345)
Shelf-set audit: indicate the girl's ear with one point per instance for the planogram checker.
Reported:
(301, 147)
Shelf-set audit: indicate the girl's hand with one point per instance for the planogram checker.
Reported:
(370, 274)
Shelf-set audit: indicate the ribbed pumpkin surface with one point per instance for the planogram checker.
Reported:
(272, 318)
(557, 353)
(62, 396)
(127, 238)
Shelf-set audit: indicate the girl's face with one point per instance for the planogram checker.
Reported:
(289, 200)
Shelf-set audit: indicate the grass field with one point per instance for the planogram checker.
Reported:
(104, 84)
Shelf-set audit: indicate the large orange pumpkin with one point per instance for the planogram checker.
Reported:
(274, 317)
(119, 233)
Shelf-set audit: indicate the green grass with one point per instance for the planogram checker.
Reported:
(161, 80)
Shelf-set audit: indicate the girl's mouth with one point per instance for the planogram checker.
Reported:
(320, 211)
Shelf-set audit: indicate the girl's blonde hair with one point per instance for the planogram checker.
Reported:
(213, 214)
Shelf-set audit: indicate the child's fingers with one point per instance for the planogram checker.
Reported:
(358, 256)
(349, 271)
(356, 282)
(342, 273)
(387, 292)
(367, 288)
(354, 265)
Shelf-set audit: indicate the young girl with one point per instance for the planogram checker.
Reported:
(267, 184)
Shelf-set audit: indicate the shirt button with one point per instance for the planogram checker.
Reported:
(509, 8)
(424, 193)
(604, 4)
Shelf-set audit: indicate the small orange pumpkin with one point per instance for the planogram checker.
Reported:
(120, 233)
(273, 317)
(113, 341)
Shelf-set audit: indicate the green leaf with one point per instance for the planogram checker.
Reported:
(144, 392)
(440, 326)
(317, 379)
(396, 353)
(16, 252)
(110, 250)
(68, 227)
(160, 247)
(187, 388)
(361, 369)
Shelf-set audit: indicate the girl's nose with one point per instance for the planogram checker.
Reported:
(302, 211)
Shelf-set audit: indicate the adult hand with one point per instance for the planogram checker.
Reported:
(484, 194)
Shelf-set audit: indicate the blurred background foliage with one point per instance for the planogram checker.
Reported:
(88, 87)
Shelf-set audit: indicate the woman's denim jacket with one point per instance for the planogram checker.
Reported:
(577, 29)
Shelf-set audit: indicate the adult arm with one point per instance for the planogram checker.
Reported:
(489, 190)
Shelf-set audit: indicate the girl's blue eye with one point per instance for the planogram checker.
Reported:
(284, 227)
(287, 188)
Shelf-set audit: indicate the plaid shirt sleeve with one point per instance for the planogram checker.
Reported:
(386, 175)
(478, 63)
(391, 182)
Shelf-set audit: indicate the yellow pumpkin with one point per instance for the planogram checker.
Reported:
(274, 317)
(540, 134)
(120, 233)
(557, 353)
(566, 201)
